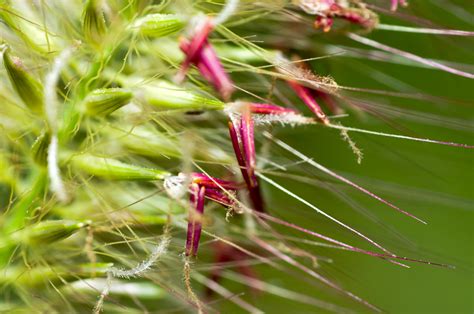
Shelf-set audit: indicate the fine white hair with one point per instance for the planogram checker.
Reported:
(51, 109)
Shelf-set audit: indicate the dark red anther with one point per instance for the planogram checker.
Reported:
(195, 219)
(199, 52)
(305, 94)
(242, 135)
(220, 197)
(324, 22)
(270, 109)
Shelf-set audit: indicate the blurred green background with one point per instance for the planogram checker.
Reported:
(433, 182)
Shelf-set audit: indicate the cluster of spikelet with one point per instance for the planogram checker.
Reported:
(123, 120)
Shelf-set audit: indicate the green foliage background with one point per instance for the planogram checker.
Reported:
(433, 182)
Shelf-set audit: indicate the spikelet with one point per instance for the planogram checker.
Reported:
(26, 86)
(116, 170)
(158, 25)
(93, 21)
(102, 102)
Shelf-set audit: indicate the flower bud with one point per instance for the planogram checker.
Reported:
(102, 102)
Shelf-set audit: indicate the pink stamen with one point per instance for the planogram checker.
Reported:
(306, 96)
(220, 79)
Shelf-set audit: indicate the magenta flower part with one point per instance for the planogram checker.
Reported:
(220, 197)
(200, 53)
(242, 135)
(270, 109)
(204, 186)
(305, 94)
(325, 22)
(195, 219)
(213, 183)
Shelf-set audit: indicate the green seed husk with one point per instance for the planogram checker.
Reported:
(158, 25)
(169, 48)
(142, 290)
(116, 170)
(152, 143)
(47, 232)
(7, 182)
(41, 275)
(164, 95)
(39, 149)
(25, 85)
(102, 102)
(23, 207)
(93, 22)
